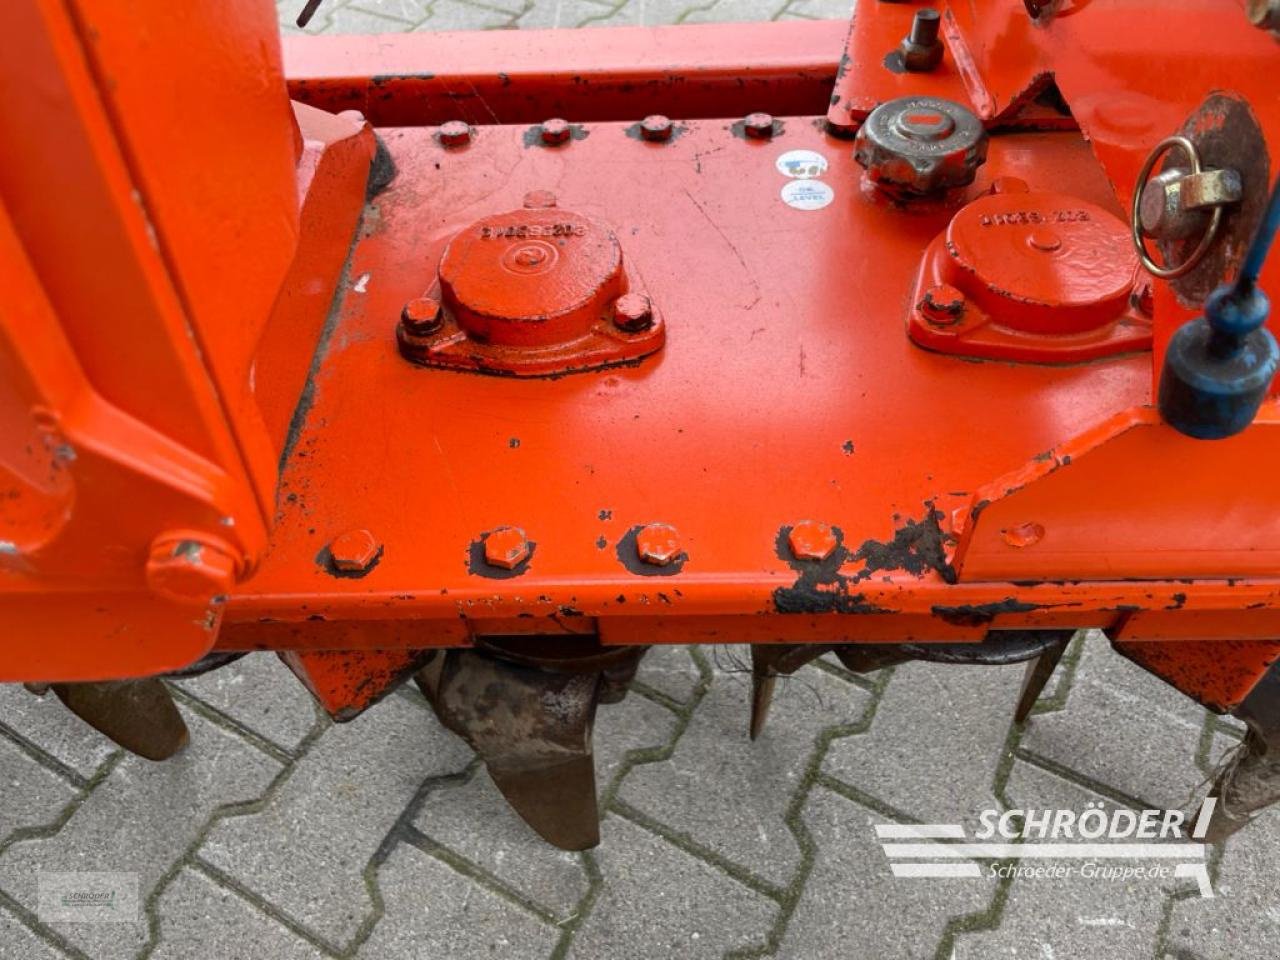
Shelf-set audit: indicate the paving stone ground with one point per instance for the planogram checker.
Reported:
(278, 834)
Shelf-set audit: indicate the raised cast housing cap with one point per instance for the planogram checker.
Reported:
(921, 145)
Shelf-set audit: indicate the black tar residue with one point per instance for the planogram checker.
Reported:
(533, 136)
(629, 557)
(477, 565)
(977, 614)
(324, 560)
(635, 132)
(917, 546)
(381, 171)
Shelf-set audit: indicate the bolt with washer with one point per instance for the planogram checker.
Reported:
(656, 128)
(506, 547)
(455, 133)
(354, 551)
(554, 131)
(422, 316)
(942, 305)
(658, 544)
(758, 126)
(633, 312)
(921, 50)
(812, 540)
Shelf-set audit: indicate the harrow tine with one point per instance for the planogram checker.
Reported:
(768, 661)
(1249, 782)
(532, 728)
(1037, 675)
(139, 715)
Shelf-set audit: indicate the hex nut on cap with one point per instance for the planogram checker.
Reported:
(942, 305)
(190, 567)
(921, 145)
(422, 316)
(539, 199)
(658, 543)
(506, 547)
(554, 131)
(455, 133)
(354, 551)
(812, 540)
(633, 312)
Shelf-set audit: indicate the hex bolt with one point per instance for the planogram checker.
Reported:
(506, 547)
(942, 305)
(659, 544)
(455, 133)
(537, 199)
(921, 50)
(554, 131)
(758, 126)
(354, 551)
(812, 540)
(656, 128)
(190, 567)
(422, 316)
(633, 312)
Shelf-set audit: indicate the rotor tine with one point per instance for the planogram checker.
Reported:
(1249, 782)
(1036, 677)
(532, 728)
(139, 715)
(762, 684)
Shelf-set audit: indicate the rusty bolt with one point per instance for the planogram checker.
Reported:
(354, 551)
(455, 133)
(633, 312)
(943, 305)
(658, 543)
(554, 131)
(758, 126)
(921, 50)
(536, 199)
(812, 540)
(656, 127)
(506, 547)
(422, 316)
(190, 567)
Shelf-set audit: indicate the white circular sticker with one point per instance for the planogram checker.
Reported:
(801, 164)
(807, 194)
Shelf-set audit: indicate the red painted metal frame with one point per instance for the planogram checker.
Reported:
(787, 391)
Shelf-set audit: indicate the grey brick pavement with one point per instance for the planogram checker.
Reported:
(280, 835)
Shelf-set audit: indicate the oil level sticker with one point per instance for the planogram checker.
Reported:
(801, 164)
(807, 194)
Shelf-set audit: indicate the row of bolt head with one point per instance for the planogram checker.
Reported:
(656, 128)
(505, 547)
(423, 316)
